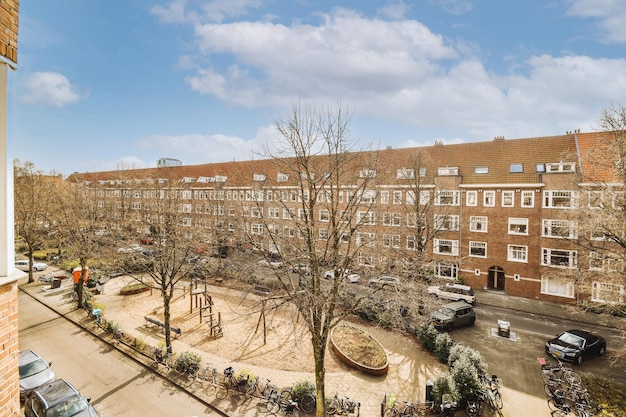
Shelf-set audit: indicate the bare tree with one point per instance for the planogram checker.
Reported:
(323, 191)
(33, 206)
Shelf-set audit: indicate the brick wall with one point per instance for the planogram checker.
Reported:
(8, 29)
(9, 352)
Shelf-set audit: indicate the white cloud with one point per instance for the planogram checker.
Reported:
(49, 89)
(177, 11)
(396, 10)
(611, 15)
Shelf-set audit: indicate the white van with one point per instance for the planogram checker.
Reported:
(454, 292)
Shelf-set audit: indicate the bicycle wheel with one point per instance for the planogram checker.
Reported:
(409, 411)
(307, 403)
(74, 296)
(285, 398)
(332, 406)
(572, 377)
(391, 412)
(473, 408)
(497, 400)
(272, 406)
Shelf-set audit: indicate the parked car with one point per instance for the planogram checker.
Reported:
(23, 264)
(270, 264)
(130, 249)
(303, 269)
(59, 399)
(347, 274)
(576, 345)
(386, 281)
(34, 372)
(452, 315)
(454, 292)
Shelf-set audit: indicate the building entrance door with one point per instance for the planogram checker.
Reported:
(495, 278)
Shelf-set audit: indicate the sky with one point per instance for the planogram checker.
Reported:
(111, 84)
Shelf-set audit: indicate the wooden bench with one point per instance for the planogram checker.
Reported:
(176, 330)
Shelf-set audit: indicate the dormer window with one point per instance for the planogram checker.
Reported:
(448, 171)
(258, 177)
(481, 170)
(186, 179)
(405, 174)
(516, 168)
(281, 177)
(367, 173)
(561, 167)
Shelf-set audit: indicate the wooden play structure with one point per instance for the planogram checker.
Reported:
(204, 303)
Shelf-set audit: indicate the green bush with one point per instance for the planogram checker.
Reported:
(427, 334)
(302, 387)
(466, 378)
(443, 344)
(188, 360)
(444, 384)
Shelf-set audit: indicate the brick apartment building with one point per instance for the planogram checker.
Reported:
(9, 349)
(509, 215)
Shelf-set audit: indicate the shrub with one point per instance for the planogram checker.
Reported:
(466, 378)
(458, 351)
(427, 335)
(302, 387)
(444, 384)
(443, 343)
(188, 360)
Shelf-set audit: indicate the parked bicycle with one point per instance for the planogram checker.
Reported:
(163, 355)
(348, 406)
(188, 363)
(475, 404)
(305, 400)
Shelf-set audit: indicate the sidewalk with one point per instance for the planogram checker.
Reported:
(406, 379)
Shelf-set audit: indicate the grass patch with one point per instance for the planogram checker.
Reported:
(611, 397)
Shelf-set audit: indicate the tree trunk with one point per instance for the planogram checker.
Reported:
(320, 374)
(166, 320)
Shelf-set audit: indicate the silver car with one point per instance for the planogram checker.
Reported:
(59, 399)
(34, 372)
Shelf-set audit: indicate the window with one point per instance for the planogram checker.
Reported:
(446, 222)
(561, 167)
(273, 212)
(489, 198)
(410, 243)
(392, 219)
(471, 197)
(424, 197)
(365, 259)
(605, 292)
(135, 205)
(481, 170)
(366, 217)
(557, 287)
(516, 168)
(185, 221)
(365, 239)
(528, 199)
(478, 249)
(256, 212)
(508, 198)
(518, 226)
(324, 215)
(232, 211)
(258, 177)
(256, 229)
(422, 172)
(397, 197)
(184, 208)
(596, 261)
(322, 234)
(446, 171)
(478, 224)
(600, 262)
(367, 197)
(446, 270)
(518, 253)
(447, 198)
(185, 195)
(288, 213)
(557, 228)
(559, 258)
(594, 199)
(446, 247)
(289, 231)
(367, 173)
(391, 241)
(558, 199)
(405, 174)
(231, 226)
(384, 197)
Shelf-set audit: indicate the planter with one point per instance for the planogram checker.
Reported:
(341, 339)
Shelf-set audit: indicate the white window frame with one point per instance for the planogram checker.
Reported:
(439, 244)
(366, 239)
(549, 228)
(479, 224)
(384, 197)
(441, 270)
(489, 198)
(397, 197)
(518, 226)
(391, 241)
(322, 234)
(446, 222)
(366, 260)
(447, 198)
(560, 199)
(478, 245)
(366, 217)
(508, 198)
(598, 288)
(527, 195)
(471, 198)
(425, 197)
(256, 229)
(405, 174)
(324, 215)
(556, 288)
(547, 255)
(517, 253)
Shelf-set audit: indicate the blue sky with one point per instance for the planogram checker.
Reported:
(108, 84)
